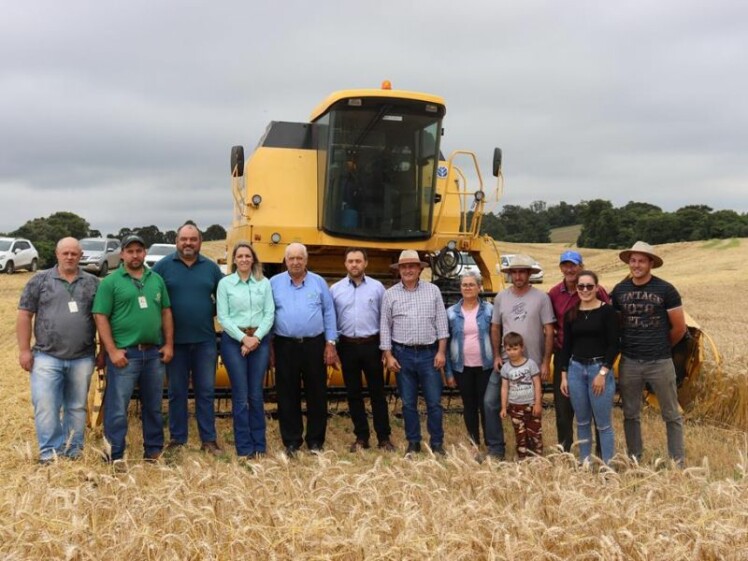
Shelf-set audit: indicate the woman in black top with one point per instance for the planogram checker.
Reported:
(590, 348)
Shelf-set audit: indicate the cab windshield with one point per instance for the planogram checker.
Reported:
(378, 169)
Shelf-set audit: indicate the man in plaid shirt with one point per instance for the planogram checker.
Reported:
(413, 336)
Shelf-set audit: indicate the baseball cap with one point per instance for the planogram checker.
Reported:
(132, 238)
(571, 256)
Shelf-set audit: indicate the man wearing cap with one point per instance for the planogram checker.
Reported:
(358, 304)
(523, 309)
(413, 336)
(652, 323)
(305, 335)
(61, 362)
(133, 316)
(191, 280)
(564, 297)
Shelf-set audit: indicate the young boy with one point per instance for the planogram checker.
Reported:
(522, 397)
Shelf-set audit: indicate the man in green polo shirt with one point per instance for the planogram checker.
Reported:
(133, 316)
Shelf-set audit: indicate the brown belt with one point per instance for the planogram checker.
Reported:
(359, 340)
(249, 331)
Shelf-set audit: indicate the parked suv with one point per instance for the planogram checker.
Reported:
(100, 255)
(17, 253)
(157, 251)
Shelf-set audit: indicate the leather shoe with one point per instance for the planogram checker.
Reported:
(152, 457)
(439, 449)
(360, 444)
(413, 448)
(211, 447)
(173, 445)
(386, 445)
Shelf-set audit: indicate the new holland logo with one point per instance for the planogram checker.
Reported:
(441, 171)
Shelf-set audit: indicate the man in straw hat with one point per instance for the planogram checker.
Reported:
(523, 309)
(413, 335)
(653, 322)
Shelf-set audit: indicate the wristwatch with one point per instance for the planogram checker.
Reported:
(603, 372)
(332, 342)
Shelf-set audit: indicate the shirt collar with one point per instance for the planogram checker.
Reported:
(236, 279)
(352, 283)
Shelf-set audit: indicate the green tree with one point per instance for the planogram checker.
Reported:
(45, 232)
(214, 233)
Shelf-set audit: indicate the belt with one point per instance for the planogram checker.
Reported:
(416, 347)
(587, 361)
(298, 339)
(360, 340)
(249, 331)
(143, 346)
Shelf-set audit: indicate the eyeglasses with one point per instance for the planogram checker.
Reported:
(583, 287)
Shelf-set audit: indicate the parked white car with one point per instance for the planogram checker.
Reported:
(17, 253)
(157, 251)
(100, 255)
(537, 278)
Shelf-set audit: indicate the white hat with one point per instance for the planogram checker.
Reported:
(521, 262)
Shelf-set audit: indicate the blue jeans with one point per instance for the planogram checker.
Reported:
(247, 374)
(199, 360)
(58, 384)
(417, 368)
(145, 369)
(492, 406)
(586, 404)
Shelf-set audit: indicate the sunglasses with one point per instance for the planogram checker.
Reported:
(583, 287)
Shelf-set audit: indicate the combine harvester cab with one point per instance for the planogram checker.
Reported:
(367, 171)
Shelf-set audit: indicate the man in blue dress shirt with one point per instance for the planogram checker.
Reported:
(358, 302)
(305, 335)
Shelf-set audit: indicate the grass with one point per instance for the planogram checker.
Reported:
(368, 505)
(566, 234)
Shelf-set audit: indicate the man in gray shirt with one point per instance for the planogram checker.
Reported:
(520, 308)
(62, 359)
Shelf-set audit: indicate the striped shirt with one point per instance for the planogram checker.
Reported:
(412, 317)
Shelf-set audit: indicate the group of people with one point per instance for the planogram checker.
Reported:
(159, 322)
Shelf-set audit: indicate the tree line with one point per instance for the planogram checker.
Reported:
(605, 226)
(44, 233)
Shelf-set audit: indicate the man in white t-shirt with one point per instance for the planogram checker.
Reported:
(523, 309)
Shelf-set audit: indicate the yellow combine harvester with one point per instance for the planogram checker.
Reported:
(367, 171)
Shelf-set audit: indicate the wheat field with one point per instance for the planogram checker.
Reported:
(368, 505)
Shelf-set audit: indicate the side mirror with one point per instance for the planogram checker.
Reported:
(237, 161)
(496, 162)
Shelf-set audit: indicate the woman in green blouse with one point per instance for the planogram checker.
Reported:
(246, 311)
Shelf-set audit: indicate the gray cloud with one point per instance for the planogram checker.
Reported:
(125, 114)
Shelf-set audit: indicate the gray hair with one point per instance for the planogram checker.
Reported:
(296, 245)
(473, 274)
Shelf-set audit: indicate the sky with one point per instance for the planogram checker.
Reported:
(125, 112)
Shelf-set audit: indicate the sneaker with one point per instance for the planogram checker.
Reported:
(291, 451)
(211, 448)
(386, 445)
(439, 449)
(360, 444)
(413, 448)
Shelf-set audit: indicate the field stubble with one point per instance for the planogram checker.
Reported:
(367, 505)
